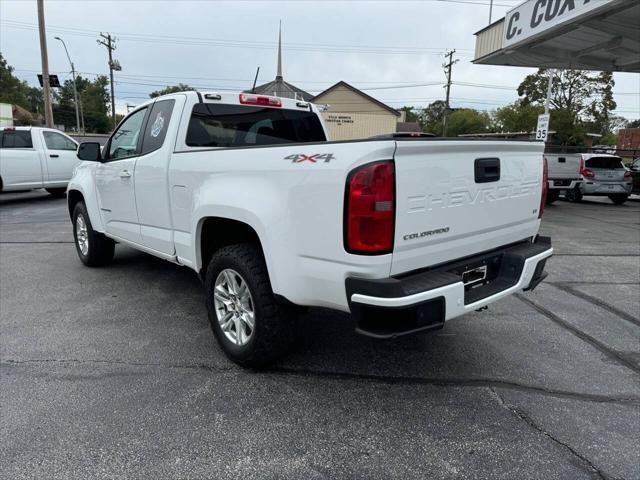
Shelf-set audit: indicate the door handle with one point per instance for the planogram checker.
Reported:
(125, 174)
(487, 170)
(53, 155)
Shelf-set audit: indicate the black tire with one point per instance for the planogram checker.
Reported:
(57, 192)
(274, 322)
(101, 248)
(573, 195)
(552, 196)
(618, 198)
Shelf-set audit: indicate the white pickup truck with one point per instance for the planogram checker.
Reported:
(35, 157)
(246, 190)
(564, 174)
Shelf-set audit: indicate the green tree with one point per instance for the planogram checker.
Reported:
(634, 124)
(467, 120)
(432, 116)
(16, 91)
(516, 117)
(410, 114)
(181, 87)
(582, 97)
(95, 100)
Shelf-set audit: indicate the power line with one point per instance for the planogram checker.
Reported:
(249, 44)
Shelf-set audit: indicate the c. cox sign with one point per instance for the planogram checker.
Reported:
(535, 16)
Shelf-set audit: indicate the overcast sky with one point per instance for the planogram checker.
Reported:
(376, 46)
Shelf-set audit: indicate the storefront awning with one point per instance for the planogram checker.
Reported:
(580, 34)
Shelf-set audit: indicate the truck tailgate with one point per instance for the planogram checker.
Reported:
(458, 198)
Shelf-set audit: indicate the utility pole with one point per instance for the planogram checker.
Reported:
(447, 67)
(549, 84)
(73, 76)
(48, 111)
(490, 10)
(110, 43)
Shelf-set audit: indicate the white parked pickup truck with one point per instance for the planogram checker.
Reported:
(35, 157)
(564, 174)
(247, 191)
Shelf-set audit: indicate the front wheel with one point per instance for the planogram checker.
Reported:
(94, 249)
(252, 328)
(573, 195)
(618, 198)
(57, 192)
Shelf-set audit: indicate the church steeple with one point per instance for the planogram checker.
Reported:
(279, 71)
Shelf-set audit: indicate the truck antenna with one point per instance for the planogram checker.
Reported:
(253, 89)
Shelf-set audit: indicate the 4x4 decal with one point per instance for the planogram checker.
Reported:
(301, 157)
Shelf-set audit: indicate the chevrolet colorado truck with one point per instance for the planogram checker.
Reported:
(403, 233)
(35, 157)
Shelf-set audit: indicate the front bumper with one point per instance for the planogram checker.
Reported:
(390, 307)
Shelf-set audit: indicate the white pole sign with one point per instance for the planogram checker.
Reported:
(543, 127)
(535, 16)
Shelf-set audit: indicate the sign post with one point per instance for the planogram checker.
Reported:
(542, 129)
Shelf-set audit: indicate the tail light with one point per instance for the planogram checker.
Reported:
(628, 173)
(585, 172)
(545, 186)
(267, 101)
(370, 209)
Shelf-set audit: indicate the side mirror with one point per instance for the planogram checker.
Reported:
(89, 151)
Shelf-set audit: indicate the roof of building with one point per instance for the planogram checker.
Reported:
(280, 88)
(408, 127)
(359, 92)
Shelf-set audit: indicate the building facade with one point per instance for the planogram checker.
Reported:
(352, 114)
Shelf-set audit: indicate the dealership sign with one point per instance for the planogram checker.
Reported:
(536, 16)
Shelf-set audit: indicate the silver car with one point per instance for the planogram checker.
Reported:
(602, 175)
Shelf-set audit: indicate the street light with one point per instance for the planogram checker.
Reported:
(75, 93)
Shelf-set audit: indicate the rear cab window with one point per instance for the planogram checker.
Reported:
(16, 139)
(225, 126)
(609, 163)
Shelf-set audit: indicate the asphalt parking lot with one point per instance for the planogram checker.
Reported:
(114, 373)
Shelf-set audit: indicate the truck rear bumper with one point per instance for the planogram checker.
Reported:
(564, 184)
(390, 307)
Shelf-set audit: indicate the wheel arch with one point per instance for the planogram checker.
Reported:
(73, 198)
(214, 233)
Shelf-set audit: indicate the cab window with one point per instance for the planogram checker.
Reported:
(57, 141)
(156, 129)
(124, 142)
(16, 139)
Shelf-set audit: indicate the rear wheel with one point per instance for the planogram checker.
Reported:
(552, 196)
(94, 249)
(618, 198)
(573, 195)
(252, 328)
(57, 192)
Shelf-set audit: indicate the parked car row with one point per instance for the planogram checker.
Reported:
(591, 174)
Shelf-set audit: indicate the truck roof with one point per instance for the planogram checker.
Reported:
(234, 98)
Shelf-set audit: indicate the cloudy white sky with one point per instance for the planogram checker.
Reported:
(382, 47)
